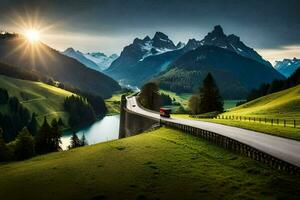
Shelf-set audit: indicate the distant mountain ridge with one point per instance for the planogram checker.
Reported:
(148, 57)
(235, 75)
(231, 42)
(287, 66)
(17, 51)
(95, 60)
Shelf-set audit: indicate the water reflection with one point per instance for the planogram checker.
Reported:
(101, 131)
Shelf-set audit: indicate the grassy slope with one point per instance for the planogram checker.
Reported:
(43, 99)
(280, 105)
(113, 103)
(165, 164)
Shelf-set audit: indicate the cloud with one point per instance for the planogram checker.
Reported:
(274, 55)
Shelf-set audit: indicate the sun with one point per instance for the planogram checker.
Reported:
(32, 35)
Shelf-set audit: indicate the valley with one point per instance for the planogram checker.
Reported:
(149, 100)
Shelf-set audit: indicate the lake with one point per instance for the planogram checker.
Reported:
(101, 131)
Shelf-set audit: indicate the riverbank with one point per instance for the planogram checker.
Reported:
(103, 130)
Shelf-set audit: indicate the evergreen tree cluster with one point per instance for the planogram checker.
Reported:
(208, 99)
(149, 96)
(47, 139)
(165, 99)
(97, 103)
(275, 86)
(3, 96)
(76, 142)
(80, 111)
(16, 117)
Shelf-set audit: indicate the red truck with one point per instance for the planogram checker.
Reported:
(165, 112)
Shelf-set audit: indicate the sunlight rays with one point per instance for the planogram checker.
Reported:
(29, 41)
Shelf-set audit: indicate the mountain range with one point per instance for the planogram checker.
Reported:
(15, 50)
(287, 66)
(235, 75)
(147, 57)
(96, 60)
(156, 59)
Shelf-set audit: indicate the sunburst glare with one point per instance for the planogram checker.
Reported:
(32, 35)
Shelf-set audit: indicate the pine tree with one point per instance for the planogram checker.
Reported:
(75, 142)
(194, 104)
(24, 147)
(5, 153)
(210, 99)
(149, 96)
(33, 125)
(83, 141)
(3, 96)
(55, 136)
(42, 138)
(60, 123)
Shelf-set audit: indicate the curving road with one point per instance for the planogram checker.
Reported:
(285, 149)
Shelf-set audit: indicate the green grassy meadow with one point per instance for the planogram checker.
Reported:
(281, 105)
(113, 103)
(183, 99)
(161, 164)
(43, 99)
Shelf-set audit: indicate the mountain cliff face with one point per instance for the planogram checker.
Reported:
(15, 50)
(236, 75)
(103, 61)
(287, 66)
(97, 60)
(136, 53)
(143, 59)
(232, 43)
(148, 57)
(70, 52)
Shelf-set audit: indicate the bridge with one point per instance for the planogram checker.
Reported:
(278, 152)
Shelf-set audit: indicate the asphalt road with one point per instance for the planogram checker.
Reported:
(285, 149)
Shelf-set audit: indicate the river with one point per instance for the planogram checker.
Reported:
(101, 131)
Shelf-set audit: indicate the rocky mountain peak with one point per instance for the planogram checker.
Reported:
(180, 45)
(160, 35)
(218, 31)
(233, 38)
(192, 44)
(162, 41)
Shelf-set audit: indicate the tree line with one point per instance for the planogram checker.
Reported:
(15, 118)
(274, 86)
(151, 98)
(47, 139)
(81, 112)
(26, 145)
(207, 99)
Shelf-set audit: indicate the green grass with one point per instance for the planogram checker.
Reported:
(281, 105)
(162, 164)
(287, 132)
(183, 99)
(113, 103)
(228, 104)
(180, 98)
(43, 99)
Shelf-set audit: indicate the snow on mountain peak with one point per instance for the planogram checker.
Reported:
(95, 60)
(287, 66)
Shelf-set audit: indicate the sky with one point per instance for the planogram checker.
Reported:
(272, 27)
